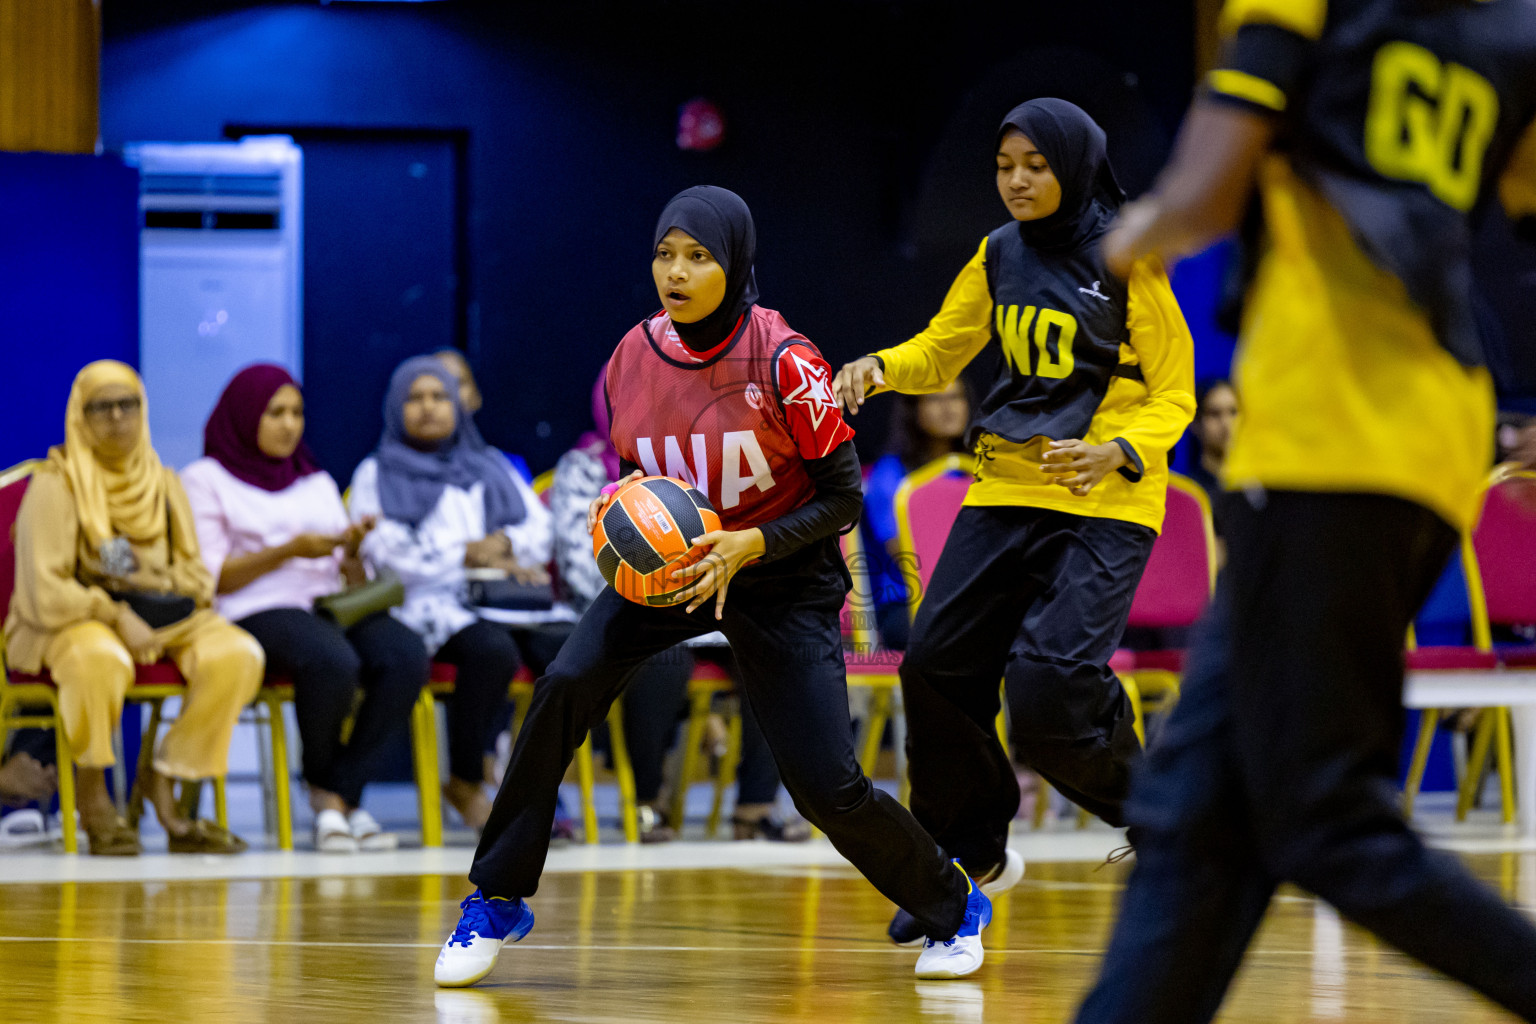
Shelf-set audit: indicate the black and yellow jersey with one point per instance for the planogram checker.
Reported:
(1359, 363)
(1084, 356)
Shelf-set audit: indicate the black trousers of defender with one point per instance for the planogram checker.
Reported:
(1038, 598)
(1279, 765)
(327, 666)
(782, 623)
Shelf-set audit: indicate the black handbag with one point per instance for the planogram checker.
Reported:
(346, 608)
(157, 608)
(511, 595)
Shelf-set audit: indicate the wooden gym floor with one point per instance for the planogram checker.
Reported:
(774, 942)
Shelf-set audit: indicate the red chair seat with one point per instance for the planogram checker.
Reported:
(442, 672)
(161, 673)
(709, 672)
(871, 663)
(1122, 661)
(1431, 659)
(1164, 661)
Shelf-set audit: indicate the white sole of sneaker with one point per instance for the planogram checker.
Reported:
(949, 969)
(466, 981)
(1010, 876)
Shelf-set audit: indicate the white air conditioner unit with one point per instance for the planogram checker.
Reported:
(220, 265)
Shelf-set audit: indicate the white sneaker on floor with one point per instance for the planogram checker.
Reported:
(370, 835)
(333, 834)
(960, 955)
(487, 923)
(26, 827)
(1009, 874)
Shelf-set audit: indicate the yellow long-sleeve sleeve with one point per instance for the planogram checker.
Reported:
(1162, 346)
(932, 360)
(48, 597)
(50, 551)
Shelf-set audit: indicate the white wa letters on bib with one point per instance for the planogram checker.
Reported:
(735, 444)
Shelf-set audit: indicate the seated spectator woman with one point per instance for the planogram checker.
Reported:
(108, 573)
(923, 428)
(275, 536)
(445, 502)
(1215, 417)
(657, 695)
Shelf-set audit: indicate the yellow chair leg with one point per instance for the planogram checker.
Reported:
(726, 777)
(584, 777)
(1042, 803)
(1133, 692)
(629, 815)
(220, 803)
(1429, 719)
(65, 760)
(879, 715)
(698, 715)
(1477, 763)
(429, 795)
(1506, 764)
(282, 801)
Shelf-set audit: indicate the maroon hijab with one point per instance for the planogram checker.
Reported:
(230, 435)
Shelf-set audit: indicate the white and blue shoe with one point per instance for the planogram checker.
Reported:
(472, 949)
(906, 930)
(942, 959)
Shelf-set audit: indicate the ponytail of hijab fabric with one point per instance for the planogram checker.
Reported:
(1074, 145)
(719, 220)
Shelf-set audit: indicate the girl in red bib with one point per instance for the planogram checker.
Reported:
(720, 392)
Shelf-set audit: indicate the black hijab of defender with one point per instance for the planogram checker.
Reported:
(718, 219)
(1073, 144)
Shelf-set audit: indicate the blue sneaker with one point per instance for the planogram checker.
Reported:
(906, 930)
(961, 955)
(471, 951)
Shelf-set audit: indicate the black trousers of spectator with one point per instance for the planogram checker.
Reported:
(1279, 764)
(654, 701)
(1039, 598)
(782, 623)
(537, 646)
(379, 655)
(487, 658)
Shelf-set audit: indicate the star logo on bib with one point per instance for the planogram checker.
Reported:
(814, 390)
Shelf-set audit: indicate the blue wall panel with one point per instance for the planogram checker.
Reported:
(69, 285)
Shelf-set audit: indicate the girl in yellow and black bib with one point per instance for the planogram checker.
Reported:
(1036, 579)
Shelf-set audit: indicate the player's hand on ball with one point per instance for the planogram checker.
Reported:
(854, 381)
(1079, 466)
(729, 550)
(601, 501)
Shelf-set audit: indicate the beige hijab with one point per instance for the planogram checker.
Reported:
(129, 498)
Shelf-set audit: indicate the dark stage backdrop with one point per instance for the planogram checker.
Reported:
(859, 133)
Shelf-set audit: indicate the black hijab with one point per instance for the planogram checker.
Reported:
(721, 222)
(1073, 144)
